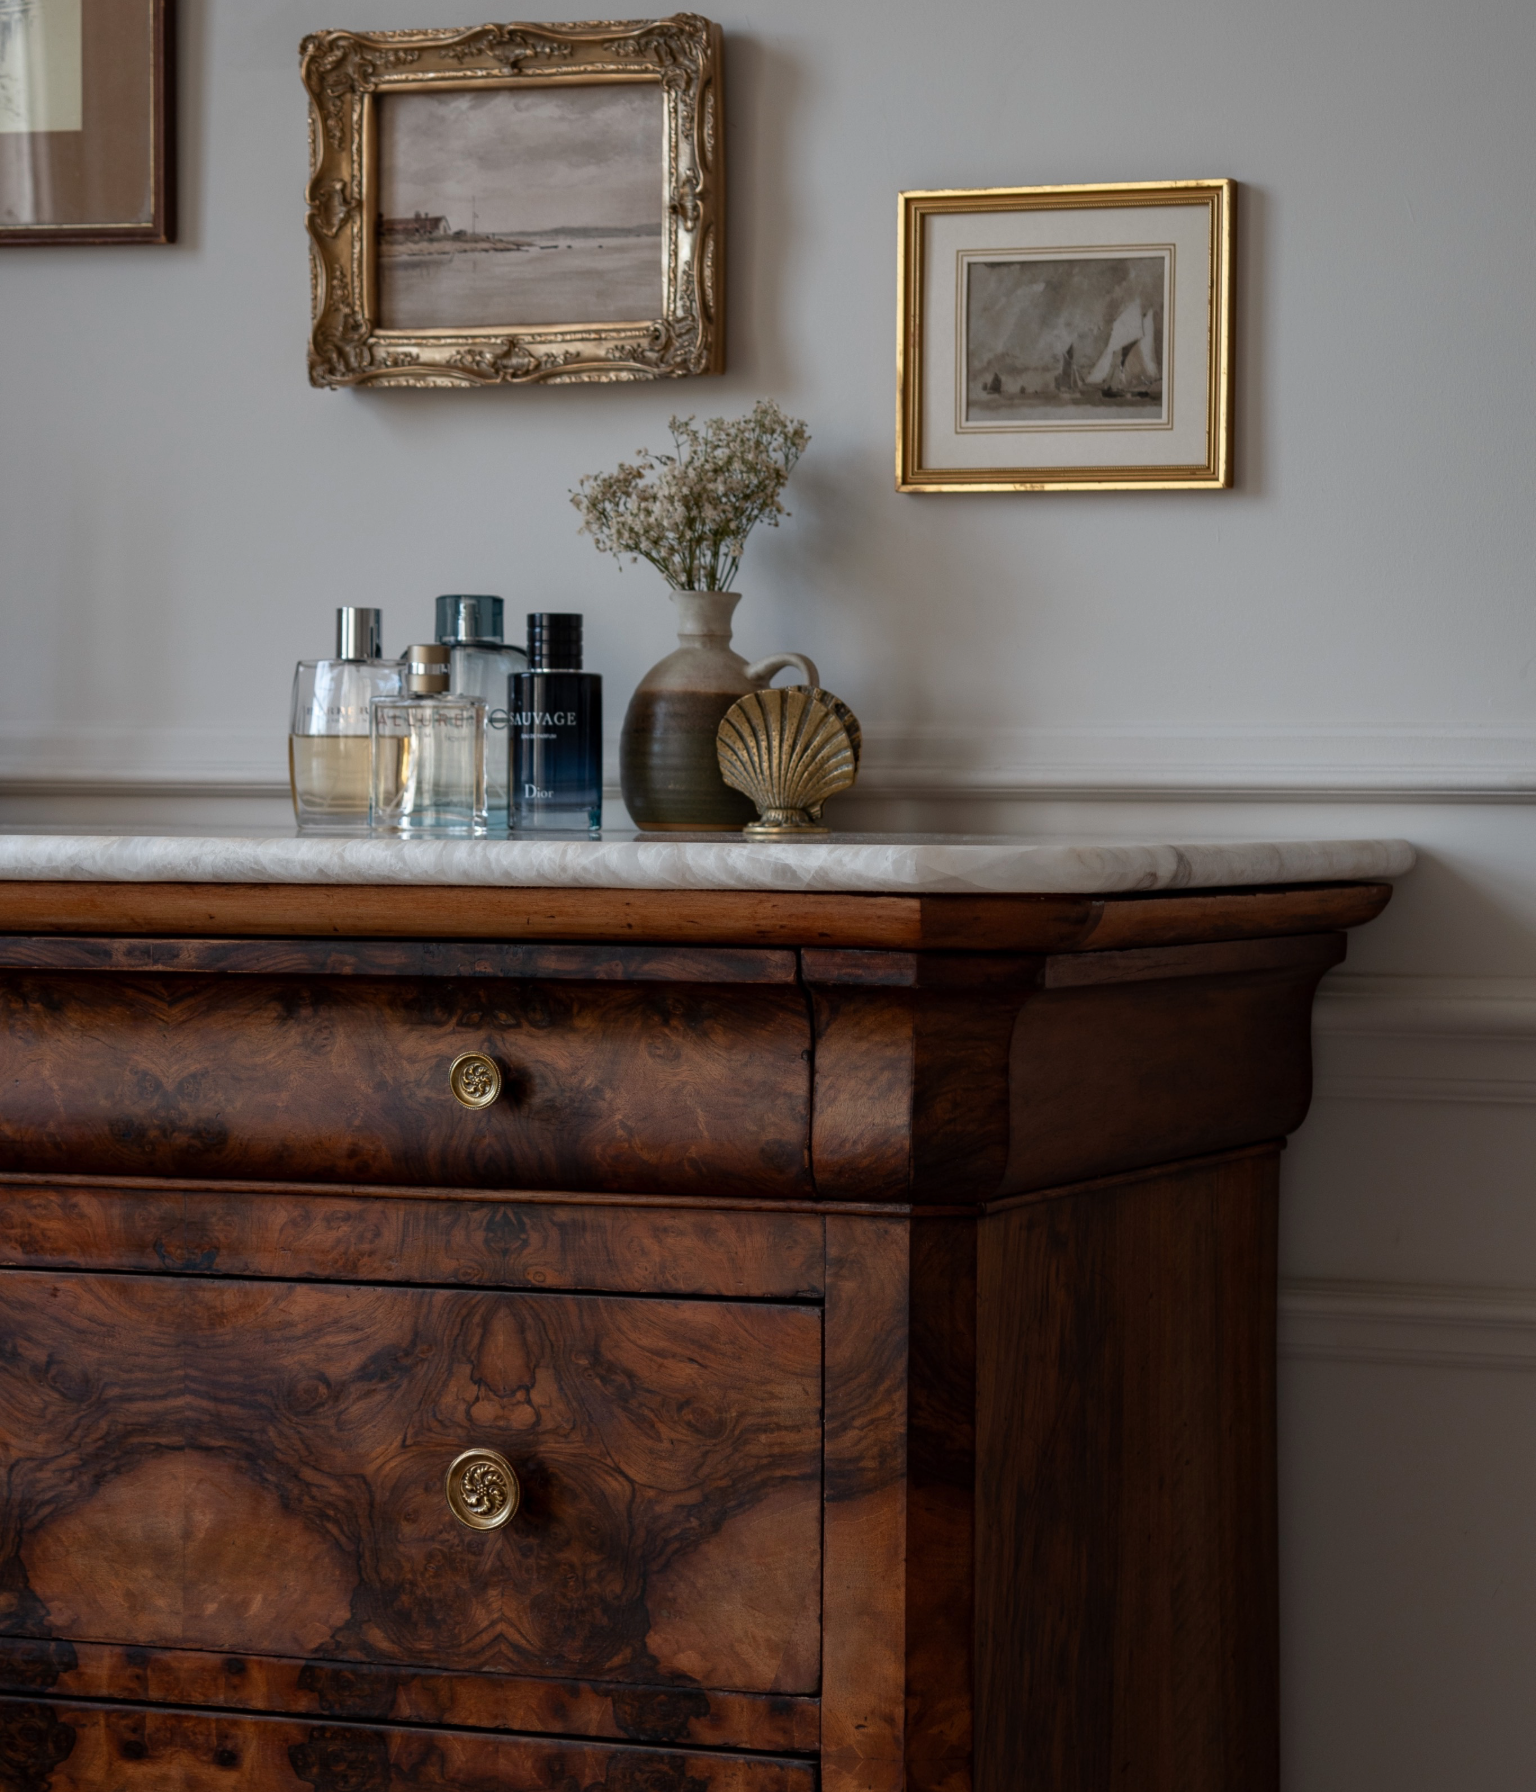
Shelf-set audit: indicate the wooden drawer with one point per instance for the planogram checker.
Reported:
(58, 1747)
(358, 1692)
(644, 1072)
(599, 1245)
(258, 1466)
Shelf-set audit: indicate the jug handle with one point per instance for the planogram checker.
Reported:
(763, 670)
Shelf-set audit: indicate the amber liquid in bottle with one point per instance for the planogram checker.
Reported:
(328, 746)
(329, 777)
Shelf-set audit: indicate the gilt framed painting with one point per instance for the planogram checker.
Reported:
(86, 121)
(1066, 338)
(516, 204)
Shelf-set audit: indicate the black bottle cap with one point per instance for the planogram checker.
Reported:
(554, 642)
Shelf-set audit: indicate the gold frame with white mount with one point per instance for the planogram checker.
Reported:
(930, 457)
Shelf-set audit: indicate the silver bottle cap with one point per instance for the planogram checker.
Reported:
(359, 634)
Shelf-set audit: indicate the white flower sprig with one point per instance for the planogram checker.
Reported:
(690, 512)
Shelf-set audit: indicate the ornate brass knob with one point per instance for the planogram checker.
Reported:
(475, 1080)
(483, 1490)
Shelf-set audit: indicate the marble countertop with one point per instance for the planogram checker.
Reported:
(868, 864)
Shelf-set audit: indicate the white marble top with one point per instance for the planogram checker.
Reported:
(897, 864)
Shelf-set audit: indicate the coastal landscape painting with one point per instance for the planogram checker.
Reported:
(1064, 340)
(521, 206)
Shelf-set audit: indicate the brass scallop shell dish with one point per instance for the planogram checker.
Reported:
(789, 749)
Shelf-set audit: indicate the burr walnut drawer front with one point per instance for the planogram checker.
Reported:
(661, 1082)
(67, 1747)
(296, 1471)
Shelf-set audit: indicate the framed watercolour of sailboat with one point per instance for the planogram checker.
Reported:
(86, 116)
(1066, 338)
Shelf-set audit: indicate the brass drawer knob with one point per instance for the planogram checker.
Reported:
(475, 1080)
(483, 1489)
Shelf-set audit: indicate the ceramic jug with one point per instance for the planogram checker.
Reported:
(667, 756)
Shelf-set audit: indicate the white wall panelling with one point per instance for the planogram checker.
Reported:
(1377, 1322)
(1417, 1039)
(1409, 1572)
(1408, 1402)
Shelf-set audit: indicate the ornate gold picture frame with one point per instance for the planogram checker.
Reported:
(516, 204)
(1066, 338)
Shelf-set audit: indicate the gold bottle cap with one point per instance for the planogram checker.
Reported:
(426, 669)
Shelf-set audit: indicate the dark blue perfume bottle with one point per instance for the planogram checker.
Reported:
(556, 723)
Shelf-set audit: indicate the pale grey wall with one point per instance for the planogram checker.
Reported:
(180, 511)
(1344, 645)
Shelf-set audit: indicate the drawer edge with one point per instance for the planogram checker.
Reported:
(136, 1743)
(610, 1711)
(354, 1236)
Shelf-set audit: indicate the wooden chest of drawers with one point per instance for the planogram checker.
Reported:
(878, 1336)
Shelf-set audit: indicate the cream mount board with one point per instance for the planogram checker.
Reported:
(1066, 338)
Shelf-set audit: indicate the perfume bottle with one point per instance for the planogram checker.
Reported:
(428, 752)
(481, 664)
(328, 744)
(557, 732)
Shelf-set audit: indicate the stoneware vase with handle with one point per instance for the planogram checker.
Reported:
(668, 763)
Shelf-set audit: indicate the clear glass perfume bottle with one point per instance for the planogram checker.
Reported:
(428, 752)
(328, 743)
(557, 732)
(470, 628)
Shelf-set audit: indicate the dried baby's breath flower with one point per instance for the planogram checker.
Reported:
(690, 512)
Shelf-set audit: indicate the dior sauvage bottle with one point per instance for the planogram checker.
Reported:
(428, 758)
(328, 742)
(480, 665)
(557, 732)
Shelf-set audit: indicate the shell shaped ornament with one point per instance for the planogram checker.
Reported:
(789, 749)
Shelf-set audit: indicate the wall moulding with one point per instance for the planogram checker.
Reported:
(1461, 1043)
(1219, 764)
(146, 761)
(1416, 1039)
(1120, 765)
(1408, 1325)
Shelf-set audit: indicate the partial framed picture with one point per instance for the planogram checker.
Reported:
(1066, 338)
(516, 204)
(86, 121)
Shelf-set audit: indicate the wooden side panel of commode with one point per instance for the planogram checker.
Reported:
(1127, 1598)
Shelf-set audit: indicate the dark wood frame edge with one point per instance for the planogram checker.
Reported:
(161, 229)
